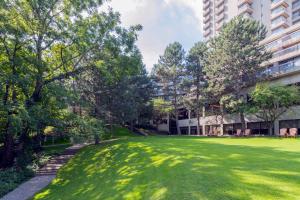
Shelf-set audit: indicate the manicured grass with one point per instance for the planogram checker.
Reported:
(123, 132)
(182, 168)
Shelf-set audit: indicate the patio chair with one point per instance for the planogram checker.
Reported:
(293, 132)
(215, 132)
(248, 132)
(283, 132)
(238, 132)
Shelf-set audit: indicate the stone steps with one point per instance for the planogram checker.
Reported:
(57, 162)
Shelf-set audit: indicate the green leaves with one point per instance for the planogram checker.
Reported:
(235, 58)
(269, 97)
(269, 102)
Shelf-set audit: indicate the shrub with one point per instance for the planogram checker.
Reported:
(11, 178)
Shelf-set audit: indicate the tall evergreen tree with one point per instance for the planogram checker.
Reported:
(170, 74)
(196, 79)
(235, 60)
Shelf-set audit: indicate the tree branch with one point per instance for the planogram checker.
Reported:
(68, 74)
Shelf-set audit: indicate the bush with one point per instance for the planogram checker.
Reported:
(53, 140)
(86, 129)
(11, 178)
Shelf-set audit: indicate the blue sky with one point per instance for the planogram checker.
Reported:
(164, 21)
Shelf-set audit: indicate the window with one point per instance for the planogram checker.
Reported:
(183, 114)
(194, 130)
(278, 10)
(296, 4)
(278, 20)
(184, 130)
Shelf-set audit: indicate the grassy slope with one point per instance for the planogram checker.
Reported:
(182, 168)
(123, 132)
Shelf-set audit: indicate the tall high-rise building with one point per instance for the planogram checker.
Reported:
(282, 20)
(276, 15)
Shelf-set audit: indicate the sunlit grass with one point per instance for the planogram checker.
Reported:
(182, 168)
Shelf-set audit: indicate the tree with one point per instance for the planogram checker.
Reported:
(270, 102)
(170, 74)
(43, 44)
(196, 79)
(234, 61)
(119, 91)
(161, 108)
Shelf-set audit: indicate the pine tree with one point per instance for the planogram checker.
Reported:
(235, 60)
(170, 72)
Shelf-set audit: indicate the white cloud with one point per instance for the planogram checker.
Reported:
(164, 21)
(194, 5)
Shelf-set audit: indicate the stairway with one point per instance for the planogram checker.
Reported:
(57, 162)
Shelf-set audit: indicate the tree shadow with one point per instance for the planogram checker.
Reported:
(178, 168)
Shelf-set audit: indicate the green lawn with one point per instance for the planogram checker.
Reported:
(182, 168)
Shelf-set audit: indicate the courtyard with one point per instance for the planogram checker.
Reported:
(160, 167)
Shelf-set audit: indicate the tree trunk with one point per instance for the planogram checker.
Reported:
(177, 124)
(271, 128)
(131, 125)
(198, 123)
(222, 121)
(7, 158)
(97, 139)
(243, 121)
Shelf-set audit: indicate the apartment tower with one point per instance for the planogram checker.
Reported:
(282, 19)
(276, 15)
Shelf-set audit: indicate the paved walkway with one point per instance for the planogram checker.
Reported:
(43, 177)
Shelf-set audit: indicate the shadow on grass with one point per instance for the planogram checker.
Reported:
(179, 168)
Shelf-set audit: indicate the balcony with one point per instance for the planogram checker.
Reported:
(207, 12)
(282, 12)
(279, 3)
(296, 5)
(296, 17)
(207, 26)
(241, 2)
(206, 5)
(283, 23)
(291, 39)
(207, 33)
(220, 3)
(282, 69)
(219, 26)
(220, 18)
(220, 9)
(247, 15)
(287, 51)
(246, 8)
(284, 42)
(207, 18)
(285, 54)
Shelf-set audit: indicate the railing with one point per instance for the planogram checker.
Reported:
(278, 10)
(279, 42)
(282, 69)
(275, 1)
(286, 51)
